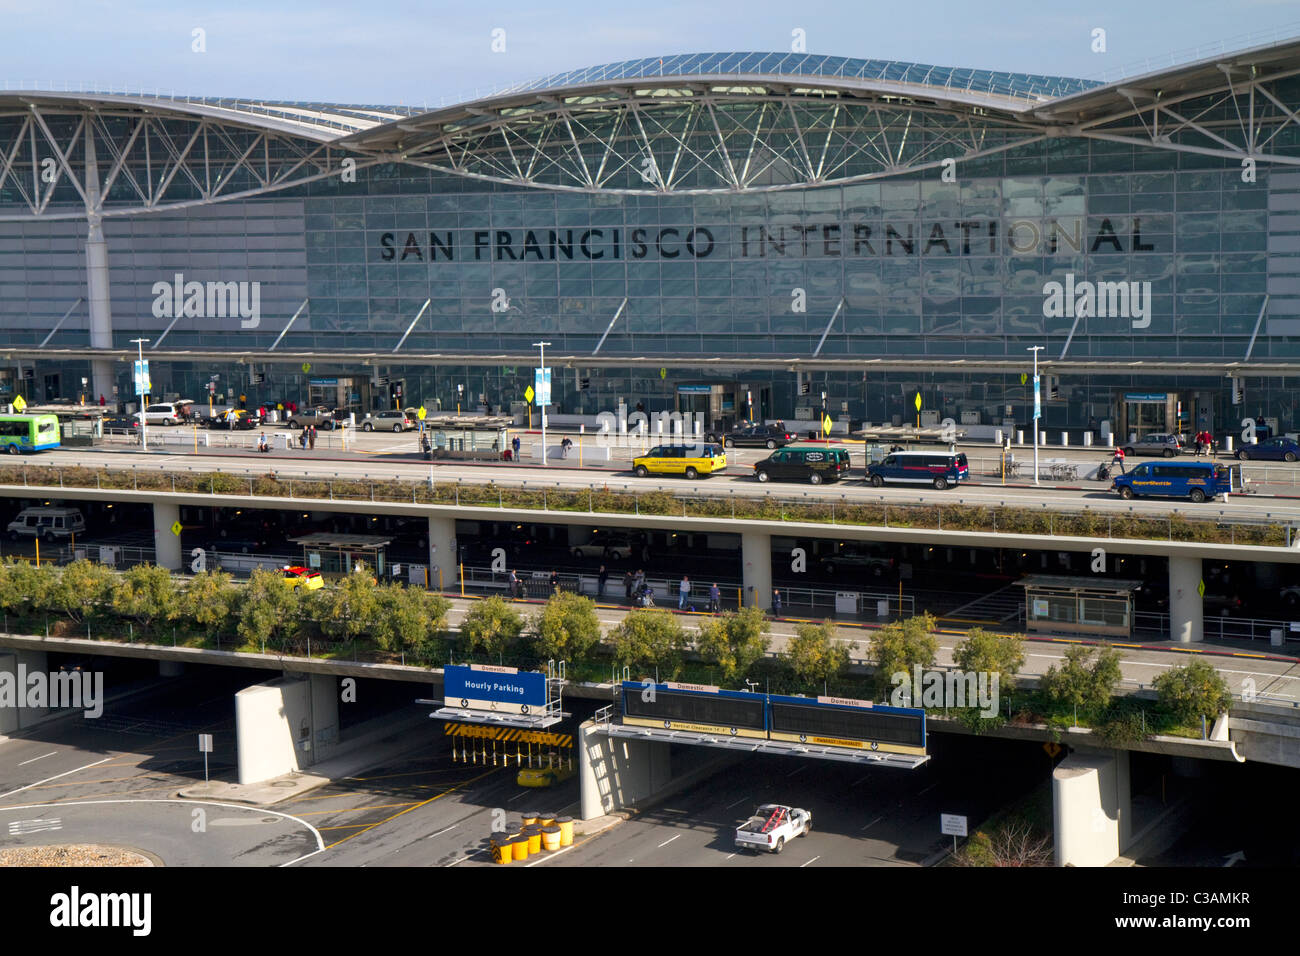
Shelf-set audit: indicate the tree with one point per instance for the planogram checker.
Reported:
(24, 587)
(209, 600)
(814, 653)
(490, 627)
(566, 627)
(736, 640)
(900, 646)
(1082, 681)
(986, 653)
(649, 641)
(351, 608)
(408, 618)
(1015, 843)
(147, 594)
(81, 590)
(268, 613)
(1196, 689)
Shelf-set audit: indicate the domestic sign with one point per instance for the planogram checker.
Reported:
(1145, 397)
(518, 692)
(699, 688)
(950, 824)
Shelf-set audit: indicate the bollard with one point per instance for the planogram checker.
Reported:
(1087, 439)
(1020, 436)
(1065, 439)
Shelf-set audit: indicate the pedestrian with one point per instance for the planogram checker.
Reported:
(565, 446)
(302, 439)
(715, 599)
(638, 583)
(601, 577)
(261, 443)
(1117, 460)
(555, 582)
(514, 585)
(628, 581)
(776, 602)
(514, 443)
(101, 399)
(312, 440)
(683, 592)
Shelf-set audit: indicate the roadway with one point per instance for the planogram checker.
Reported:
(385, 458)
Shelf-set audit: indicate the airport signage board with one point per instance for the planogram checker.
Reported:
(542, 386)
(501, 690)
(952, 824)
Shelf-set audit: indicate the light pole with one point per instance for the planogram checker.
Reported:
(545, 380)
(144, 435)
(1037, 405)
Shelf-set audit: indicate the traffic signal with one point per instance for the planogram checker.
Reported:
(1053, 387)
(805, 388)
(585, 383)
(1238, 391)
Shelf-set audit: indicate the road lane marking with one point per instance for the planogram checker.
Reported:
(441, 832)
(668, 841)
(928, 789)
(409, 809)
(730, 805)
(728, 857)
(873, 823)
(797, 770)
(57, 776)
(813, 860)
(41, 757)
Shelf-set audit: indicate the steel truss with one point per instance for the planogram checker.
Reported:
(144, 162)
(705, 139)
(1246, 116)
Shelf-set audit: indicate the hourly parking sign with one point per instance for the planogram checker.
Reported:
(502, 690)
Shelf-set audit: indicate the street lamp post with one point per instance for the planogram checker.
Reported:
(1037, 405)
(543, 379)
(144, 435)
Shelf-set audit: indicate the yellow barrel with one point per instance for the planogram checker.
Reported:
(502, 853)
(521, 848)
(534, 835)
(545, 821)
(566, 830)
(530, 818)
(551, 838)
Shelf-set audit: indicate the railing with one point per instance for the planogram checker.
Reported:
(1218, 627)
(1269, 529)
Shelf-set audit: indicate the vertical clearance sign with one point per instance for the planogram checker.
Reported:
(542, 386)
(503, 690)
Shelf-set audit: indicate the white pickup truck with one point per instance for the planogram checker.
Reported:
(771, 826)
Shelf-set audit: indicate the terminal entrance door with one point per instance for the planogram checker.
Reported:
(1141, 413)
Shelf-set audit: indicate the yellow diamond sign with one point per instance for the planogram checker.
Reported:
(306, 367)
(826, 424)
(1024, 377)
(19, 403)
(917, 403)
(1200, 588)
(421, 412)
(177, 527)
(528, 394)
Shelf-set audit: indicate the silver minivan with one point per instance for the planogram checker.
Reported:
(47, 523)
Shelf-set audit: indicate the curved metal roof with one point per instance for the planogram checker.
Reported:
(1030, 86)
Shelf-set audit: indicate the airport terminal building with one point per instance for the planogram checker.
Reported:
(733, 234)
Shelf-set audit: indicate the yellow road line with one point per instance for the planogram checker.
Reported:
(409, 809)
(377, 806)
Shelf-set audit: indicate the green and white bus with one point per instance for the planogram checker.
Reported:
(20, 433)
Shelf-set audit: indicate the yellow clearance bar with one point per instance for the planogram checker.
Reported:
(507, 734)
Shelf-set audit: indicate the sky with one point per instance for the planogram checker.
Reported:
(424, 53)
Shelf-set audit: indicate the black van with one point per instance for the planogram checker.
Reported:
(813, 464)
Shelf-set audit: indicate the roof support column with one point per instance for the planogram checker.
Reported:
(1186, 609)
(101, 309)
(756, 570)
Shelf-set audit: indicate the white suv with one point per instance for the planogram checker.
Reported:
(162, 414)
(47, 523)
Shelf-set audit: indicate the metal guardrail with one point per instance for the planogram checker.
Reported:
(1219, 627)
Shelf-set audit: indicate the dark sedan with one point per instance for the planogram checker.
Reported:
(1273, 449)
(754, 436)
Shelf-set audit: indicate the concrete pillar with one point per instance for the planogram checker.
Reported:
(442, 552)
(285, 725)
(30, 662)
(756, 567)
(167, 545)
(616, 772)
(171, 668)
(97, 277)
(1091, 808)
(1186, 609)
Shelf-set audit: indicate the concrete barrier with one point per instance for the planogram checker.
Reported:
(1091, 808)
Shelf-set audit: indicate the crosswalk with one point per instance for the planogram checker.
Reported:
(1004, 606)
(24, 827)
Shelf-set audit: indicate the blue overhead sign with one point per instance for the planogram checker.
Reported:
(499, 689)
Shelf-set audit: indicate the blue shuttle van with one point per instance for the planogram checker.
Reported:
(941, 469)
(1197, 480)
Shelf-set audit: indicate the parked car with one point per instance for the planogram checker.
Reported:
(119, 424)
(941, 469)
(387, 421)
(303, 578)
(851, 558)
(606, 547)
(47, 523)
(233, 419)
(319, 417)
(163, 413)
(753, 436)
(1272, 449)
(1154, 443)
(813, 465)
